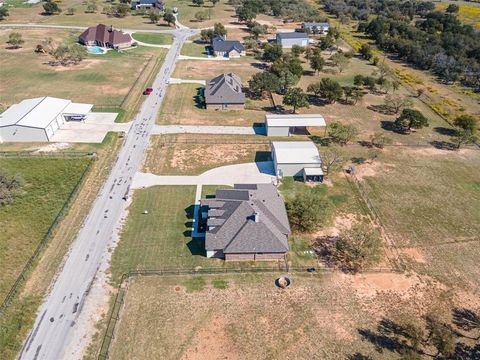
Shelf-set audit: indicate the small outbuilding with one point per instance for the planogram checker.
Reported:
(316, 27)
(38, 119)
(286, 125)
(297, 159)
(288, 39)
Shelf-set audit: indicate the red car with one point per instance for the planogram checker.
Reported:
(148, 91)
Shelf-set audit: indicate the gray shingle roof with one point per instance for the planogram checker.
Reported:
(224, 89)
(232, 214)
(220, 44)
(292, 35)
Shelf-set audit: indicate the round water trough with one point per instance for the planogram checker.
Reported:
(283, 282)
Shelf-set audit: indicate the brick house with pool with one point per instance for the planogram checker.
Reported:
(248, 222)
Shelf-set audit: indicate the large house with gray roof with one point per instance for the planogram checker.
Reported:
(248, 222)
(224, 92)
(227, 48)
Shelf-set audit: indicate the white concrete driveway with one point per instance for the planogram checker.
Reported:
(93, 130)
(187, 81)
(249, 173)
(207, 129)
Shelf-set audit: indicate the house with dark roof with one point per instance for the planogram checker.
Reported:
(227, 48)
(148, 4)
(224, 92)
(105, 36)
(288, 39)
(248, 222)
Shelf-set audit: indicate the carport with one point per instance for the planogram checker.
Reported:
(286, 125)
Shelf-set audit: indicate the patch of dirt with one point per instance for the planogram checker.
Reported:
(191, 158)
(432, 151)
(372, 168)
(212, 342)
(85, 64)
(340, 223)
(53, 147)
(179, 289)
(414, 254)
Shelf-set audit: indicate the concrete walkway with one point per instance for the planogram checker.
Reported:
(198, 129)
(152, 45)
(186, 81)
(249, 173)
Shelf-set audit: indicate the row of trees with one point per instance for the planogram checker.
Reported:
(288, 10)
(439, 42)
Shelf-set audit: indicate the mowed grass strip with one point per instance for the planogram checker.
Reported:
(159, 239)
(152, 38)
(48, 185)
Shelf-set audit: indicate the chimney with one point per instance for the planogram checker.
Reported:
(256, 217)
(111, 28)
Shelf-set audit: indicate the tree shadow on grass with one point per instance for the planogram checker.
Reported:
(467, 320)
(359, 356)
(445, 131)
(443, 145)
(382, 109)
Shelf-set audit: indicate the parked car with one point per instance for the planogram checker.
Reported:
(148, 91)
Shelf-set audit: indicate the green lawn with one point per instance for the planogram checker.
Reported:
(48, 184)
(194, 49)
(155, 39)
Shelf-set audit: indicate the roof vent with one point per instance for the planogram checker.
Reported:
(256, 217)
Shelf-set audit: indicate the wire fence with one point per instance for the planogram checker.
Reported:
(392, 253)
(28, 265)
(46, 154)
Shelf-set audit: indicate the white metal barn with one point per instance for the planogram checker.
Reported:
(297, 158)
(37, 120)
(286, 125)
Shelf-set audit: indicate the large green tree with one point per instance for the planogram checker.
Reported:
(341, 134)
(264, 82)
(410, 118)
(272, 53)
(308, 211)
(330, 90)
(296, 98)
(317, 62)
(50, 7)
(466, 122)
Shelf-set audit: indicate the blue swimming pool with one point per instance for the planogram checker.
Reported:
(96, 50)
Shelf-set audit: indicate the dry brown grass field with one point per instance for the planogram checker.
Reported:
(332, 316)
(193, 159)
(101, 80)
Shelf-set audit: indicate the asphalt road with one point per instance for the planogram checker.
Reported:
(56, 320)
